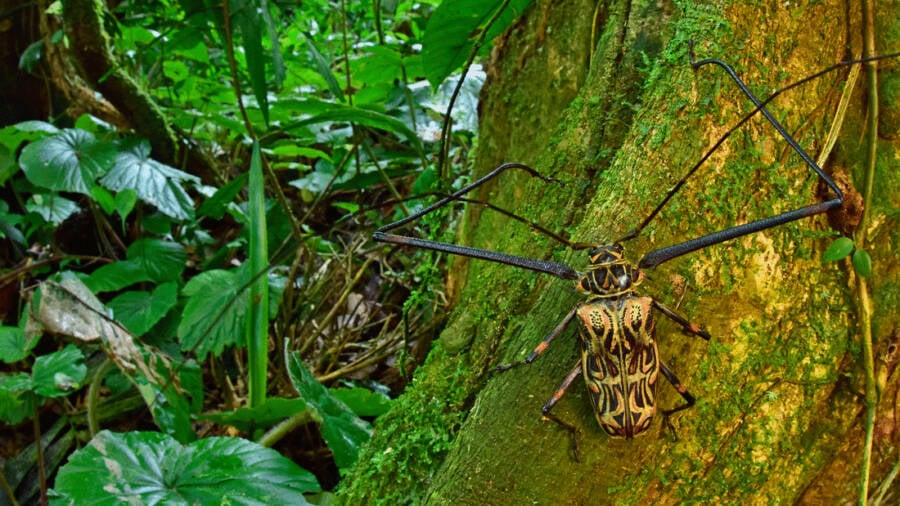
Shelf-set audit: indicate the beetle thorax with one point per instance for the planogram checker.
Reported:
(609, 274)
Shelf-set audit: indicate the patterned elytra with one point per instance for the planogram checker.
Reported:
(620, 363)
(619, 355)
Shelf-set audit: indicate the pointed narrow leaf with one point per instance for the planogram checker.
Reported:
(153, 469)
(258, 296)
(247, 17)
(364, 117)
(324, 69)
(343, 431)
(69, 161)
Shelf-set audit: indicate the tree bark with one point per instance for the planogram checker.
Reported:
(90, 47)
(779, 415)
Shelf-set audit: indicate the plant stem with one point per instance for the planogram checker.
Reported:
(862, 289)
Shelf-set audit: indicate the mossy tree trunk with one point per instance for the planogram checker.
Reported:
(779, 417)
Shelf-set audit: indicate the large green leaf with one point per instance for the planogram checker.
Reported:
(139, 311)
(52, 208)
(151, 468)
(115, 276)
(343, 431)
(161, 260)
(147, 259)
(15, 344)
(69, 161)
(453, 29)
(211, 319)
(59, 373)
(155, 183)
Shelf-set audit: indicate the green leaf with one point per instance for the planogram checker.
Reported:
(212, 319)
(272, 411)
(161, 260)
(364, 117)
(15, 345)
(52, 208)
(125, 201)
(324, 69)
(139, 311)
(363, 401)
(69, 161)
(104, 198)
(17, 402)
(116, 276)
(152, 468)
(453, 29)
(32, 55)
(343, 431)
(862, 263)
(257, 334)
(59, 373)
(214, 207)
(155, 183)
(839, 249)
(247, 16)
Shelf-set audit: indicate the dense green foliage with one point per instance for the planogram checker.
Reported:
(210, 303)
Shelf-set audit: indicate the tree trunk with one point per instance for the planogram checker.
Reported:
(780, 416)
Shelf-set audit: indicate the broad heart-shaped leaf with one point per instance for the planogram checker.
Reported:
(150, 468)
(214, 316)
(139, 311)
(343, 431)
(59, 373)
(70, 161)
(161, 260)
(147, 259)
(453, 29)
(52, 208)
(115, 276)
(15, 344)
(155, 183)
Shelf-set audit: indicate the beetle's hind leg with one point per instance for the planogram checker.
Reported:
(689, 399)
(557, 395)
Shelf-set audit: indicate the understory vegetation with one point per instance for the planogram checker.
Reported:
(193, 309)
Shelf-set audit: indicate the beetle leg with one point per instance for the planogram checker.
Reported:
(682, 390)
(691, 328)
(541, 348)
(557, 395)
